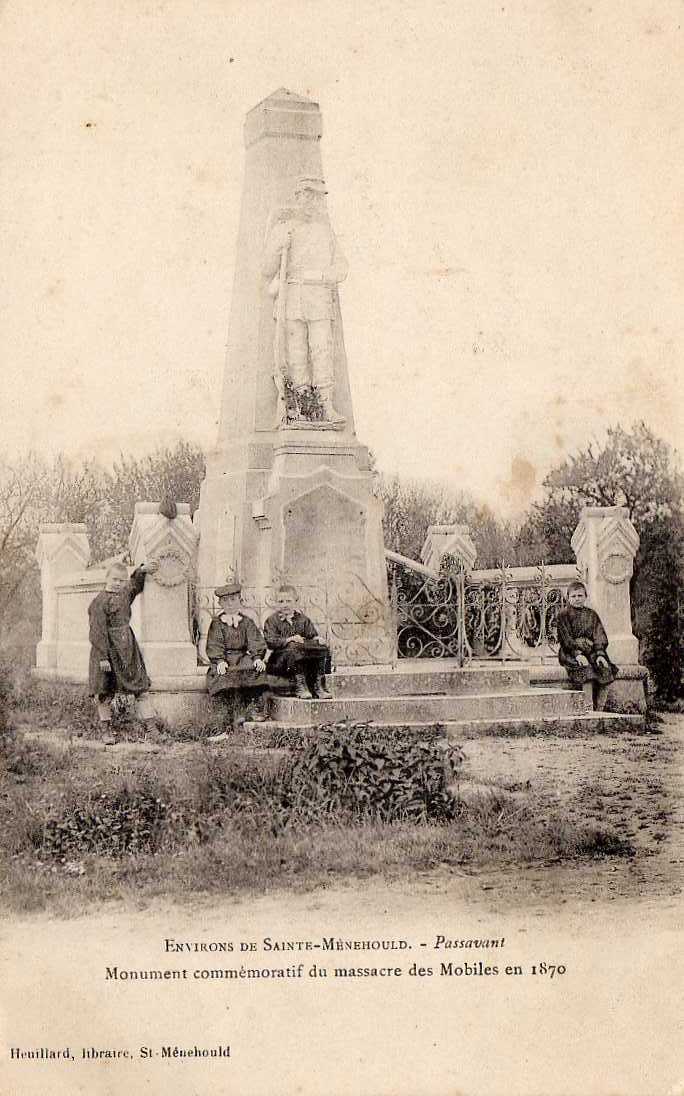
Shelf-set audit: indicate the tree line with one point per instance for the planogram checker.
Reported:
(631, 467)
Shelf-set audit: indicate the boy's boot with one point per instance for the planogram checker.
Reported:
(600, 696)
(301, 689)
(256, 711)
(104, 714)
(319, 689)
(147, 714)
(154, 729)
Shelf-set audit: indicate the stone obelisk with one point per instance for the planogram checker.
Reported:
(290, 497)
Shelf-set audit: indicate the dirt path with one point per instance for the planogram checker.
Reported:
(631, 784)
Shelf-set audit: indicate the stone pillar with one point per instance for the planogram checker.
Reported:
(605, 543)
(297, 501)
(161, 614)
(61, 549)
(448, 540)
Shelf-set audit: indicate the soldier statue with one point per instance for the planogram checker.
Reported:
(304, 263)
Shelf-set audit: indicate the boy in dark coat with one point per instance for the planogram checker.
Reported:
(236, 649)
(583, 649)
(298, 652)
(116, 661)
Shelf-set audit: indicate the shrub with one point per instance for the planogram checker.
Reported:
(126, 820)
(356, 771)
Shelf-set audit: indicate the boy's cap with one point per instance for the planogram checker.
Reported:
(228, 589)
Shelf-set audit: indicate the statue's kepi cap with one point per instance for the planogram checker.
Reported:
(229, 588)
(311, 182)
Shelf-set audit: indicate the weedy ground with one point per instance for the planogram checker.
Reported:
(81, 824)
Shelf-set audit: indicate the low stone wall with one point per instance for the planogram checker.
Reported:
(628, 694)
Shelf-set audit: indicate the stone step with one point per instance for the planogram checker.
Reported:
(529, 704)
(577, 723)
(431, 679)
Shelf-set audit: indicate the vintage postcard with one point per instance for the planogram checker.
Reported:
(341, 706)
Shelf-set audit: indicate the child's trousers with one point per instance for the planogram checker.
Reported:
(143, 706)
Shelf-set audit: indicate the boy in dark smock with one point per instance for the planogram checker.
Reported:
(298, 652)
(116, 661)
(583, 649)
(236, 649)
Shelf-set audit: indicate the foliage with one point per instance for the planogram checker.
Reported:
(664, 627)
(164, 474)
(349, 769)
(341, 771)
(128, 822)
(21, 511)
(224, 825)
(632, 468)
(343, 774)
(410, 506)
(34, 490)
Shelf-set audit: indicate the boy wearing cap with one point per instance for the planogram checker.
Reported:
(583, 645)
(116, 661)
(298, 652)
(236, 649)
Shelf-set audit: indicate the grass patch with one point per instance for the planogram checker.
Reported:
(79, 825)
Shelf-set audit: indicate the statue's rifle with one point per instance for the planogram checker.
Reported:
(280, 343)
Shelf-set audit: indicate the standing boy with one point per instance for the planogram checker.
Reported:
(116, 661)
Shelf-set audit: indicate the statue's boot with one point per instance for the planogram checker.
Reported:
(330, 414)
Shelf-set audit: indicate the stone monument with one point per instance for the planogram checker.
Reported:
(289, 498)
(289, 490)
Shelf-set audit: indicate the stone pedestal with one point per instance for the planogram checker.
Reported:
(453, 541)
(605, 543)
(61, 550)
(161, 615)
(292, 502)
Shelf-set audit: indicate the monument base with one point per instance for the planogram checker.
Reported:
(474, 700)
(302, 511)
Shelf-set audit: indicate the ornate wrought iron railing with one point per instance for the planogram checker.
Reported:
(505, 613)
(427, 610)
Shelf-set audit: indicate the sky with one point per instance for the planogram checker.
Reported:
(505, 180)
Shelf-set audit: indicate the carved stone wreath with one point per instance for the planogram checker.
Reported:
(173, 568)
(616, 568)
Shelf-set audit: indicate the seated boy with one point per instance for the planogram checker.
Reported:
(583, 645)
(298, 652)
(116, 661)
